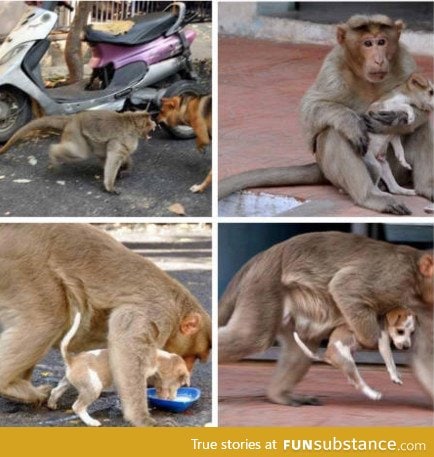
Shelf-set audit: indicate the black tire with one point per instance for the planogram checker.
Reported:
(15, 111)
(182, 87)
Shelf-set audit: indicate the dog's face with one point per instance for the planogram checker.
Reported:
(172, 374)
(401, 323)
(422, 90)
(169, 111)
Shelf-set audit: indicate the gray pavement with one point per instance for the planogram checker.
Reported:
(186, 255)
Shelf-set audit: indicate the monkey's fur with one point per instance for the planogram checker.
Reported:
(111, 137)
(332, 115)
(313, 283)
(48, 271)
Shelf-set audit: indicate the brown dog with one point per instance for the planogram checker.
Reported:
(195, 111)
(89, 372)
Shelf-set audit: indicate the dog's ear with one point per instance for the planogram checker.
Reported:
(418, 81)
(392, 317)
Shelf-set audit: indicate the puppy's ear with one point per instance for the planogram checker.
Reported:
(392, 317)
(418, 81)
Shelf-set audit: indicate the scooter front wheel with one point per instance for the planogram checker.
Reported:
(183, 87)
(15, 111)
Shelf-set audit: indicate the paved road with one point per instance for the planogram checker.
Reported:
(188, 259)
(163, 171)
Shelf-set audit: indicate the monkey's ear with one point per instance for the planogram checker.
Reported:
(191, 324)
(399, 26)
(341, 32)
(426, 265)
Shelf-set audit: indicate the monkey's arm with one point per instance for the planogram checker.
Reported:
(319, 114)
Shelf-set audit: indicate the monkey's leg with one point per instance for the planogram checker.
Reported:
(57, 392)
(130, 352)
(291, 367)
(116, 156)
(419, 151)
(386, 353)
(20, 351)
(72, 148)
(346, 290)
(346, 170)
(252, 326)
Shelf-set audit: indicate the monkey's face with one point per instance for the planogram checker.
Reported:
(370, 47)
(402, 329)
(169, 112)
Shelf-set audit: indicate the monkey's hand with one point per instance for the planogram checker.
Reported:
(357, 133)
(386, 122)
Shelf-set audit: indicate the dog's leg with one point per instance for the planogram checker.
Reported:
(339, 355)
(85, 398)
(203, 185)
(57, 392)
(392, 185)
(386, 353)
(399, 151)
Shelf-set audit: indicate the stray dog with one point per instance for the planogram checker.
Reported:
(399, 324)
(417, 92)
(195, 111)
(89, 372)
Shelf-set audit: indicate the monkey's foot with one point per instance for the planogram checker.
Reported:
(293, 400)
(52, 404)
(146, 421)
(397, 208)
(167, 423)
(44, 390)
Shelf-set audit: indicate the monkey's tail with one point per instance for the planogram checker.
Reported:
(272, 177)
(305, 349)
(68, 337)
(53, 124)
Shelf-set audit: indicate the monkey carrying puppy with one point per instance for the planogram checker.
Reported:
(49, 271)
(398, 325)
(417, 92)
(89, 372)
(195, 111)
(110, 136)
(368, 62)
(320, 281)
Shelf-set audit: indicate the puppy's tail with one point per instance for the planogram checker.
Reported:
(305, 349)
(68, 337)
(52, 124)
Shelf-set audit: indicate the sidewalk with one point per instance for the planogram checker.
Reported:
(260, 87)
(243, 402)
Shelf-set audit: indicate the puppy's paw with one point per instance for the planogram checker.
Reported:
(196, 188)
(396, 379)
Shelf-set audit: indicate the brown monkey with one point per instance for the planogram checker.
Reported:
(368, 62)
(48, 271)
(313, 283)
(111, 137)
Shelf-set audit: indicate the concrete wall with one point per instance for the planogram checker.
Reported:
(242, 18)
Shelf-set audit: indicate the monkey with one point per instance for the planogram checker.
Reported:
(50, 271)
(367, 62)
(417, 92)
(111, 137)
(313, 283)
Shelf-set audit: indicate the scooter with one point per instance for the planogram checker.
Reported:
(134, 70)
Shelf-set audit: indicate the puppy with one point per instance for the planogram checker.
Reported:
(399, 324)
(417, 92)
(195, 111)
(89, 372)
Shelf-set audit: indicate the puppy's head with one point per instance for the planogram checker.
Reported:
(171, 375)
(401, 324)
(169, 111)
(422, 91)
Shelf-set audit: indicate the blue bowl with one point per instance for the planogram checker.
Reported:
(185, 397)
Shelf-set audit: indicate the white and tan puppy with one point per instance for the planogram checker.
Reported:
(89, 372)
(399, 324)
(417, 92)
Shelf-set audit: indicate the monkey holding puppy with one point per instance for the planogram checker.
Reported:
(49, 271)
(195, 111)
(111, 137)
(417, 92)
(368, 62)
(312, 284)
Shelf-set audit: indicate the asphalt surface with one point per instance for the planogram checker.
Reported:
(163, 171)
(188, 259)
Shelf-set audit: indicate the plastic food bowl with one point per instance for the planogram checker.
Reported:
(185, 397)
